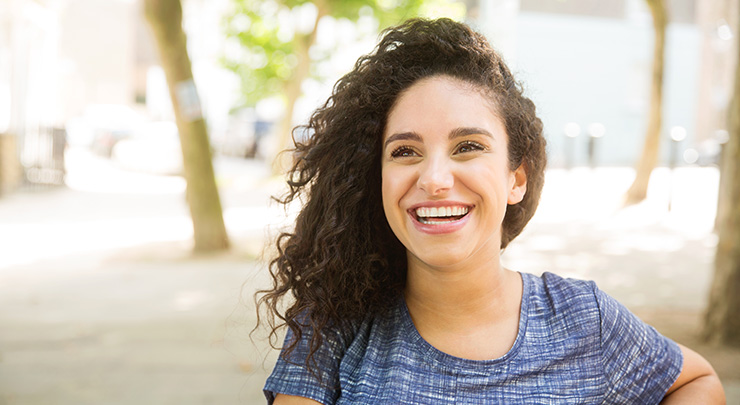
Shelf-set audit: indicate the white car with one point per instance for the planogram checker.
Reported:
(152, 148)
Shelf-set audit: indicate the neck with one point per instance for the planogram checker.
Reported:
(463, 295)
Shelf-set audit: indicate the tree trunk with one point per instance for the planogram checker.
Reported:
(722, 76)
(165, 18)
(651, 148)
(722, 322)
(292, 91)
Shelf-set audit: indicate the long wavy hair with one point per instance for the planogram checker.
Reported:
(342, 262)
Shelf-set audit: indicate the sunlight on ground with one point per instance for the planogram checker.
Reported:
(117, 223)
(43, 241)
(90, 173)
(596, 196)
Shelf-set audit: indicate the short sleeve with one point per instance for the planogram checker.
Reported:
(640, 364)
(291, 376)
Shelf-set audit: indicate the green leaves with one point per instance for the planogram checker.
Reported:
(269, 39)
(258, 50)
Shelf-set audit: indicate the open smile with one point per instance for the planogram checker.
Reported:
(440, 215)
(441, 218)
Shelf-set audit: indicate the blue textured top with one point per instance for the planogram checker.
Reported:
(575, 345)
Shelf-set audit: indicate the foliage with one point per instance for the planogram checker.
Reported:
(265, 35)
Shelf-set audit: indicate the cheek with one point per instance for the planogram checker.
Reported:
(394, 187)
(387, 187)
(491, 182)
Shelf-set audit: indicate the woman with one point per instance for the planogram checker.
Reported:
(424, 164)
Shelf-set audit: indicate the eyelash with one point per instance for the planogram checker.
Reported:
(407, 151)
(401, 151)
(475, 146)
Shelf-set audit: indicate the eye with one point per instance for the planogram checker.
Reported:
(469, 146)
(403, 152)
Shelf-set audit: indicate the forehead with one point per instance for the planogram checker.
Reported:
(439, 102)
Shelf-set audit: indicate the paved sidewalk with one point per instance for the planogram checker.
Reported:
(102, 303)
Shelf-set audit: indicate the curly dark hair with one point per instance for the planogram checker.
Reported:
(342, 262)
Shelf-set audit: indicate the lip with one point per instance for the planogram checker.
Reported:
(440, 203)
(445, 228)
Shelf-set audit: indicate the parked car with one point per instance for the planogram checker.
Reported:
(152, 148)
(101, 126)
(243, 134)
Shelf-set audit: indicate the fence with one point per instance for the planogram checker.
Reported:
(42, 156)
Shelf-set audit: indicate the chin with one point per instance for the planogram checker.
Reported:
(441, 260)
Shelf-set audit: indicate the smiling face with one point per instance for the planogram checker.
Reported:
(445, 173)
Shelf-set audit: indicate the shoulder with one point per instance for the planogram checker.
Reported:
(574, 304)
(561, 311)
(320, 378)
(561, 287)
(637, 363)
(563, 297)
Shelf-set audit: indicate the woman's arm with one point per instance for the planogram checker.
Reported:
(697, 383)
(281, 399)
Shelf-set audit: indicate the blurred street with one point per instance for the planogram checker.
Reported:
(101, 301)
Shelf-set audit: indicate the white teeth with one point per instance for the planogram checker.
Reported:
(436, 212)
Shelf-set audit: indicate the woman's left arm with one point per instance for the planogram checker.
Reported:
(697, 383)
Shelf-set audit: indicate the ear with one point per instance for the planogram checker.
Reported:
(518, 185)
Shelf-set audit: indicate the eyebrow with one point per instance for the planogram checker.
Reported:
(465, 131)
(402, 136)
(455, 133)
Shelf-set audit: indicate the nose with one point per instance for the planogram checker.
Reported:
(435, 177)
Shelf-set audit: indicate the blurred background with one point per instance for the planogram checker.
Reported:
(138, 144)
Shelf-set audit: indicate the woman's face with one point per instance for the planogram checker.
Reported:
(445, 172)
